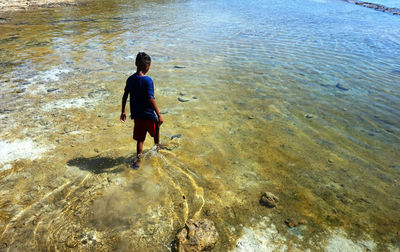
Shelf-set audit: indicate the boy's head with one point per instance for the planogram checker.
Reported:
(143, 62)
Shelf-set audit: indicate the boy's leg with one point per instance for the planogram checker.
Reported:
(139, 148)
(157, 135)
(139, 151)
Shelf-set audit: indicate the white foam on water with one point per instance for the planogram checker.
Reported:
(19, 149)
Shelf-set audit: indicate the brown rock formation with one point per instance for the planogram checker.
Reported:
(197, 235)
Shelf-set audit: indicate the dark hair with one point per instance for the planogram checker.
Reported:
(142, 60)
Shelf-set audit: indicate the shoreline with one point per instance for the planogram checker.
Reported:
(23, 5)
(377, 7)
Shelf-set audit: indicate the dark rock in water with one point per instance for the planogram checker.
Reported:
(176, 136)
(51, 90)
(197, 235)
(291, 223)
(194, 97)
(178, 67)
(182, 100)
(20, 90)
(269, 200)
(341, 87)
(308, 116)
(378, 7)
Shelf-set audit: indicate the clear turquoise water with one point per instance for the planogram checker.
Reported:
(300, 99)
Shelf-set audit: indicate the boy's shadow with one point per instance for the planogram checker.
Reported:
(99, 165)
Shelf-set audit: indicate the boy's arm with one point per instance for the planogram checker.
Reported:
(123, 113)
(154, 104)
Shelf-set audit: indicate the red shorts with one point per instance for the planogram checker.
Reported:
(143, 126)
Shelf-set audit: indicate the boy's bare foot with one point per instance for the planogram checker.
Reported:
(136, 163)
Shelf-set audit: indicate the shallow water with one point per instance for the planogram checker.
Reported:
(300, 100)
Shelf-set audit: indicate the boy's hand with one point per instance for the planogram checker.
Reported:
(122, 117)
(160, 120)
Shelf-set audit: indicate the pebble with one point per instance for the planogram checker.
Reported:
(309, 116)
(269, 200)
(51, 90)
(330, 161)
(341, 87)
(176, 136)
(291, 223)
(182, 100)
(179, 67)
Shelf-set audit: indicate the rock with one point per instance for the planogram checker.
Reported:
(182, 100)
(197, 235)
(194, 97)
(176, 136)
(291, 223)
(179, 67)
(51, 90)
(308, 116)
(330, 161)
(181, 93)
(341, 87)
(378, 7)
(269, 200)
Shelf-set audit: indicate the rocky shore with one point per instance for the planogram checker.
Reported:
(378, 7)
(15, 5)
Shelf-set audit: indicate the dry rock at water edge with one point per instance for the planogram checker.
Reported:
(197, 235)
(269, 200)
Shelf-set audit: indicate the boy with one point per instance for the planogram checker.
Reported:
(143, 106)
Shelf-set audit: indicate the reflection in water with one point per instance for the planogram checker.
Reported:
(300, 100)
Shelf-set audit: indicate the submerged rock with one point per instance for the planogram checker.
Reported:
(176, 136)
(197, 235)
(291, 223)
(341, 87)
(182, 100)
(269, 200)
